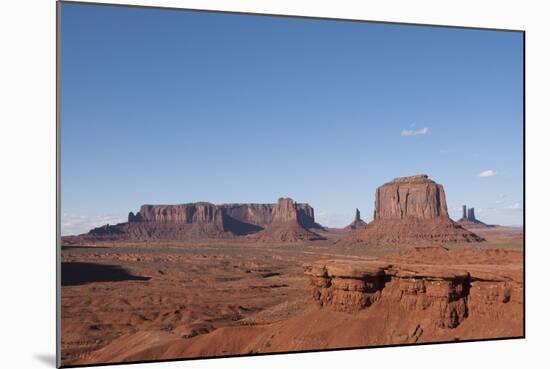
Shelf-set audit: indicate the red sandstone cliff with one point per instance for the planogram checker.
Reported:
(438, 288)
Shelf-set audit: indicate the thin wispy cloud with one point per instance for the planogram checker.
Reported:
(77, 224)
(412, 132)
(487, 173)
(515, 206)
(499, 209)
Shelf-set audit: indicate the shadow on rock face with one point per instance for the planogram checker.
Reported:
(238, 227)
(73, 273)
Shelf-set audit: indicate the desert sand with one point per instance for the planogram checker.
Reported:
(204, 280)
(132, 302)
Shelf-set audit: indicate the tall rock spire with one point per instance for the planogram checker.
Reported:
(357, 221)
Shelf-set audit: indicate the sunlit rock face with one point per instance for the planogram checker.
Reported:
(412, 210)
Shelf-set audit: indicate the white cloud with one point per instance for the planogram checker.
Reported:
(515, 206)
(78, 224)
(411, 132)
(487, 173)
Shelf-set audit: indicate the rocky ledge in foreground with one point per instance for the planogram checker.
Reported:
(412, 210)
(441, 296)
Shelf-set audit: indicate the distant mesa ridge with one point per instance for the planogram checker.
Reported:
(204, 220)
(407, 210)
(410, 210)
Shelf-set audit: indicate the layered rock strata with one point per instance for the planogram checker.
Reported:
(440, 296)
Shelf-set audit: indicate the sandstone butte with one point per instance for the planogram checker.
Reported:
(284, 221)
(289, 224)
(411, 210)
(469, 219)
(357, 222)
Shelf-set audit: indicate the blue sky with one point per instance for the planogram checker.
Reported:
(162, 106)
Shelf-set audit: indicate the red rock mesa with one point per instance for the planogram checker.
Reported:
(412, 210)
(203, 220)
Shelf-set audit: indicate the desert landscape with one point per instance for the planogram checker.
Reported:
(205, 280)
